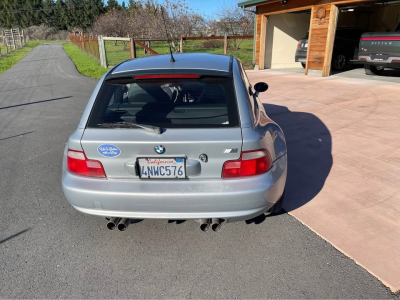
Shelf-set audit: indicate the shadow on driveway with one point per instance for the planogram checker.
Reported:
(309, 144)
(14, 235)
(36, 102)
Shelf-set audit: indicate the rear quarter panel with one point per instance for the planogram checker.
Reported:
(258, 132)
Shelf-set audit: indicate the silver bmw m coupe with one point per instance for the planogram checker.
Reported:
(176, 139)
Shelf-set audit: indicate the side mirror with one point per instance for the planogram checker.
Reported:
(260, 87)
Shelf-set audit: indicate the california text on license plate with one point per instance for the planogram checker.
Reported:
(162, 167)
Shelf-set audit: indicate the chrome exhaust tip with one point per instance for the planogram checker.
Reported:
(112, 223)
(205, 224)
(123, 224)
(216, 225)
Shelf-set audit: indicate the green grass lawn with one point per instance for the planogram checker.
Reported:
(86, 64)
(13, 57)
(116, 53)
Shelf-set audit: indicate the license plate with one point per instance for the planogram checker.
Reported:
(379, 57)
(162, 168)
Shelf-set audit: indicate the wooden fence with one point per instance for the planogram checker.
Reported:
(98, 48)
(89, 44)
(11, 39)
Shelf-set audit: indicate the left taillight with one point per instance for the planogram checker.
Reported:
(79, 164)
(251, 163)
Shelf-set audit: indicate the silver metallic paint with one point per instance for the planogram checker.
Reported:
(204, 194)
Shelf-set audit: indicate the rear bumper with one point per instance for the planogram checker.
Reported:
(230, 199)
(301, 57)
(366, 59)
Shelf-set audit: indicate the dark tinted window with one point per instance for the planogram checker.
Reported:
(398, 28)
(205, 102)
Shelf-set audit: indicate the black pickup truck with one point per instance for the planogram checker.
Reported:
(380, 50)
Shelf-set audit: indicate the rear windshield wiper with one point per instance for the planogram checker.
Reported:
(155, 129)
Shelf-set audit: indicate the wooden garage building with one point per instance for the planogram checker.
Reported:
(322, 28)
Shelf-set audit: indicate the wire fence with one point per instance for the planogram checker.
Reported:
(116, 51)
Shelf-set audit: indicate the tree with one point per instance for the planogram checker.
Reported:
(60, 15)
(14, 13)
(112, 23)
(233, 20)
(49, 13)
(9, 13)
(113, 4)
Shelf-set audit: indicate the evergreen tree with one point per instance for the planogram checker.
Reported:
(60, 15)
(10, 14)
(49, 14)
(112, 4)
(31, 13)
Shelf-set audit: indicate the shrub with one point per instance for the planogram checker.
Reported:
(43, 32)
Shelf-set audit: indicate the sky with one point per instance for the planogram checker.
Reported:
(202, 7)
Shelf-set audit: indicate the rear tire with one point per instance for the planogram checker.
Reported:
(339, 62)
(373, 70)
(277, 208)
(303, 65)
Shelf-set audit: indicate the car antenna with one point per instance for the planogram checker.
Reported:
(166, 32)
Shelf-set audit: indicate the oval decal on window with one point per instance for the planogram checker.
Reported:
(109, 150)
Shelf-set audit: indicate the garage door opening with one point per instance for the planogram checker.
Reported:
(354, 20)
(283, 33)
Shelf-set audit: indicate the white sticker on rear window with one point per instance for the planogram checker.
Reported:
(107, 150)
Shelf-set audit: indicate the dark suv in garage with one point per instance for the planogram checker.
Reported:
(346, 45)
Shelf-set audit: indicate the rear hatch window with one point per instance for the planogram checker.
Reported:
(186, 102)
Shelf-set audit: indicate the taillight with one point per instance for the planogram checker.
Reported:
(250, 163)
(79, 164)
(298, 45)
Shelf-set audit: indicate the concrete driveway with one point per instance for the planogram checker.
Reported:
(49, 250)
(344, 162)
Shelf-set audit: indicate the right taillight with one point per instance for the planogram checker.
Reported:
(298, 45)
(251, 163)
(79, 164)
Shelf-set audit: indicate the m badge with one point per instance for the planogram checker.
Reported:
(231, 150)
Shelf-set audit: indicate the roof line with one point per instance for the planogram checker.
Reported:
(251, 3)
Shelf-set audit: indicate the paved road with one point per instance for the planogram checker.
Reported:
(48, 250)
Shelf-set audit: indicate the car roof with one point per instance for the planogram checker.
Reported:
(188, 62)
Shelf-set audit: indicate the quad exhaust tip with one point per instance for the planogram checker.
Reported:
(205, 224)
(214, 224)
(112, 223)
(123, 224)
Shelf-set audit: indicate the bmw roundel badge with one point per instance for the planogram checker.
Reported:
(159, 149)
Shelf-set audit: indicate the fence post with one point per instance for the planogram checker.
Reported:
(89, 44)
(102, 52)
(21, 39)
(181, 45)
(225, 44)
(13, 39)
(83, 41)
(132, 48)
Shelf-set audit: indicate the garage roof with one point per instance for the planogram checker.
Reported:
(251, 3)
